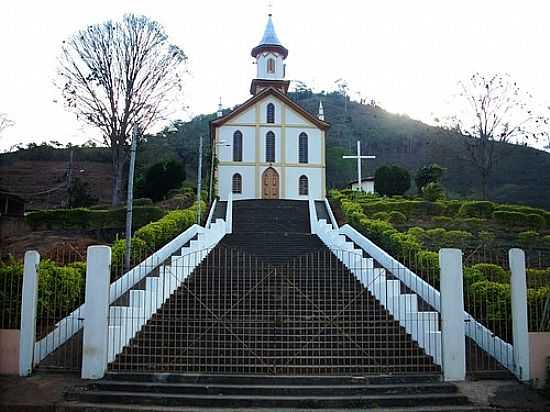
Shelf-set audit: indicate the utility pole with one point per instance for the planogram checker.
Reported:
(130, 201)
(199, 179)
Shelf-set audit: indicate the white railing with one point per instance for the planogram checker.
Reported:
(211, 213)
(71, 324)
(499, 349)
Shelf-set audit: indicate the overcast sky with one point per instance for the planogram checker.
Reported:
(408, 55)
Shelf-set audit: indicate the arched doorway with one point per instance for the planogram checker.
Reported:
(270, 184)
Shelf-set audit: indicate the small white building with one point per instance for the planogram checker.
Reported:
(269, 147)
(367, 184)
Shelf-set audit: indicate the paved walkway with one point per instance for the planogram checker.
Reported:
(43, 392)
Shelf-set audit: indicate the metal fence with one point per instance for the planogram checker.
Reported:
(11, 282)
(227, 311)
(538, 290)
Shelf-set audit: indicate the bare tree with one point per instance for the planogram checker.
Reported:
(491, 110)
(117, 75)
(5, 122)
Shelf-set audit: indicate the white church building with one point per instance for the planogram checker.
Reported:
(269, 147)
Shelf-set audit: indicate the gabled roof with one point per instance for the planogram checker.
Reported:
(264, 93)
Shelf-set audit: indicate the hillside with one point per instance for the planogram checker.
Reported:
(519, 176)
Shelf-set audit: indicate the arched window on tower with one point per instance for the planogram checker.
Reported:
(270, 65)
(270, 147)
(302, 148)
(303, 186)
(270, 113)
(237, 146)
(237, 183)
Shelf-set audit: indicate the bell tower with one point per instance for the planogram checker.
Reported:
(270, 55)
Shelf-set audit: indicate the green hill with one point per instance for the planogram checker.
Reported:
(520, 175)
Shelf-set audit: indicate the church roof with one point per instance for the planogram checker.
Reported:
(269, 41)
(266, 92)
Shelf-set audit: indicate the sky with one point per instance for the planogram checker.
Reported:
(407, 55)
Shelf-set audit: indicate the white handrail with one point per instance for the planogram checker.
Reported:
(211, 213)
(72, 323)
(229, 213)
(331, 215)
(312, 216)
(501, 350)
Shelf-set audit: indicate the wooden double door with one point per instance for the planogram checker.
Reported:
(270, 184)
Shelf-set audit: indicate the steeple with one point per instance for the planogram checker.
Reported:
(270, 55)
(220, 112)
(321, 114)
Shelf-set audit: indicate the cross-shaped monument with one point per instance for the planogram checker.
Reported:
(359, 157)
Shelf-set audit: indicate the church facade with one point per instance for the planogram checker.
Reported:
(269, 147)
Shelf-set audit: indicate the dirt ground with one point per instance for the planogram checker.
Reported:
(43, 391)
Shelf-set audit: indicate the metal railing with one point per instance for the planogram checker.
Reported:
(227, 311)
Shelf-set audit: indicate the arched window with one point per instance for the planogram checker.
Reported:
(237, 183)
(271, 65)
(270, 147)
(237, 146)
(270, 113)
(303, 187)
(302, 148)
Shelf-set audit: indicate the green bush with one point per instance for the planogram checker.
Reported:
(472, 223)
(493, 273)
(493, 299)
(486, 238)
(477, 208)
(428, 174)
(397, 218)
(391, 180)
(161, 177)
(537, 278)
(143, 201)
(418, 232)
(433, 191)
(457, 238)
(472, 275)
(436, 235)
(519, 219)
(529, 239)
(442, 220)
(92, 219)
(60, 290)
(380, 215)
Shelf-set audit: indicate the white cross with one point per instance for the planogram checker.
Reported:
(359, 158)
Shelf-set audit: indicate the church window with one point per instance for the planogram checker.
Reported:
(237, 146)
(302, 148)
(271, 65)
(270, 147)
(270, 113)
(303, 189)
(237, 183)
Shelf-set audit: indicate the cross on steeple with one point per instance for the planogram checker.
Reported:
(359, 157)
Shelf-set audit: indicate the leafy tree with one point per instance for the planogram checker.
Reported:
(162, 177)
(493, 109)
(79, 194)
(433, 191)
(428, 174)
(119, 75)
(391, 180)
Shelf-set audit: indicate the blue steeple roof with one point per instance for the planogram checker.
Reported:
(269, 40)
(270, 36)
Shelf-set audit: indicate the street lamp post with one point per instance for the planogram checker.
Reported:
(130, 201)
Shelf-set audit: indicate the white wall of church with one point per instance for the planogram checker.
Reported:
(225, 180)
(261, 69)
(225, 150)
(314, 179)
(248, 116)
(293, 118)
(263, 110)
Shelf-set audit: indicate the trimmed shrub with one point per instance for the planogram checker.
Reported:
(493, 273)
(418, 232)
(143, 201)
(380, 215)
(486, 238)
(529, 239)
(433, 191)
(442, 220)
(391, 180)
(516, 219)
(397, 218)
(472, 275)
(477, 208)
(457, 238)
(537, 278)
(436, 235)
(161, 177)
(493, 298)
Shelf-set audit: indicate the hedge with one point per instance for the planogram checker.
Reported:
(476, 208)
(520, 219)
(493, 273)
(60, 290)
(153, 236)
(82, 218)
